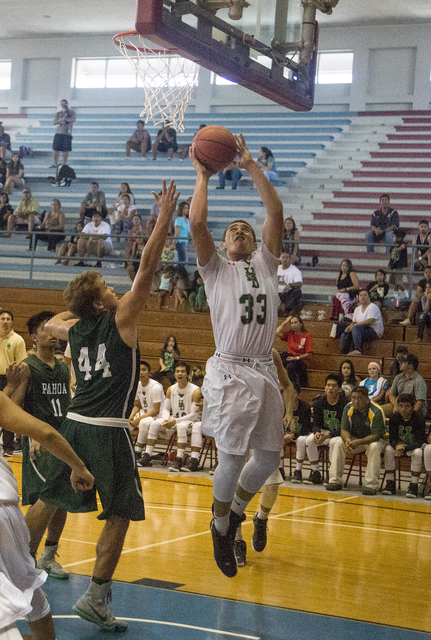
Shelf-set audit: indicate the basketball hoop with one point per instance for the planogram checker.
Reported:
(168, 79)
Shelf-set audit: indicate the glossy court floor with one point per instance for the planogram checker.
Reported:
(337, 566)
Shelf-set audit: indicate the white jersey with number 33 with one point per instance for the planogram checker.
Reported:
(243, 301)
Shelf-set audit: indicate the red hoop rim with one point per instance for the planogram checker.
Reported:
(131, 34)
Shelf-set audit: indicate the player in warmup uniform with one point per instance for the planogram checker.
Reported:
(148, 403)
(20, 581)
(243, 407)
(44, 393)
(102, 332)
(181, 412)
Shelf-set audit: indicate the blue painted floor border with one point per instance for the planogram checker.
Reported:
(159, 614)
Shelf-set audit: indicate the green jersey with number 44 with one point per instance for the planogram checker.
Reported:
(106, 368)
(47, 394)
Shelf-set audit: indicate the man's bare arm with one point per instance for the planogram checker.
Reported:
(272, 233)
(60, 324)
(198, 217)
(132, 304)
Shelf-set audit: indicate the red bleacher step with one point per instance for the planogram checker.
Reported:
(419, 127)
(404, 145)
(397, 195)
(399, 154)
(371, 206)
(379, 185)
(391, 174)
(408, 136)
(395, 164)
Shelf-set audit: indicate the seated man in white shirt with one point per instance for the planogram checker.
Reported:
(367, 325)
(95, 240)
(289, 285)
(148, 405)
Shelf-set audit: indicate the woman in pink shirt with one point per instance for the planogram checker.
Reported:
(299, 349)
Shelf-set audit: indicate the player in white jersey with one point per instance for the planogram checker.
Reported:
(243, 407)
(148, 404)
(20, 581)
(181, 412)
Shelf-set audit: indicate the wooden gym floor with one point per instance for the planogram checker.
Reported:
(336, 566)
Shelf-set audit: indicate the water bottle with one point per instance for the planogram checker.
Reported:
(340, 317)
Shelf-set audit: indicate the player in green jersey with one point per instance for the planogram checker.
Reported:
(102, 332)
(44, 393)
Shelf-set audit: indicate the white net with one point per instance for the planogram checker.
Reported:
(168, 80)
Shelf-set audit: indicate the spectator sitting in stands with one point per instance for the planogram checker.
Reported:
(289, 285)
(5, 150)
(395, 365)
(95, 240)
(375, 383)
(197, 297)
(298, 432)
(26, 214)
(347, 291)
(186, 147)
(3, 171)
(406, 438)
(53, 224)
(231, 172)
(182, 232)
(408, 381)
(367, 325)
(135, 240)
(384, 221)
(422, 246)
(379, 288)
(299, 349)
(122, 219)
(166, 285)
(291, 241)
(181, 287)
(139, 141)
(14, 174)
(124, 188)
(169, 356)
(168, 253)
(415, 306)
(362, 430)
(425, 316)
(93, 201)
(266, 162)
(349, 379)
(398, 262)
(327, 414)
(166, 140)
(6, 210)
(71, 247)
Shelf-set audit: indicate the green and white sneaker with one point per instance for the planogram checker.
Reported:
(92, 606)
(48, 563)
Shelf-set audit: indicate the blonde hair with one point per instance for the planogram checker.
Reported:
(82, 292)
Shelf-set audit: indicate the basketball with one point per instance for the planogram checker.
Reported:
(215, 147)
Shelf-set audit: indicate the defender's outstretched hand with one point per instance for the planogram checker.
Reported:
(244, 155)
(167, 200)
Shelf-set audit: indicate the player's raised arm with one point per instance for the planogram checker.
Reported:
(273, 227)
(198, 216)
(59, 325)
(133, 303)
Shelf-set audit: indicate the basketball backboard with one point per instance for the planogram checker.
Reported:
(266, 51)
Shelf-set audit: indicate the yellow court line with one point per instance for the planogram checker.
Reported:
(178, 624)
(202, 533)
(353, 526)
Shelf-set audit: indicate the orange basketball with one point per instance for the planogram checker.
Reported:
(215, 147)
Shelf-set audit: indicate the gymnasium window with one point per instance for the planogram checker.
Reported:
(118, 73)
(5, 74)
(335, 67)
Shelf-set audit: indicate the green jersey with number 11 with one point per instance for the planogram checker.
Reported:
(106, 368)
(47, 394)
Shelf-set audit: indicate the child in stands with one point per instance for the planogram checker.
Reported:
(398, 262)
(379, 288)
